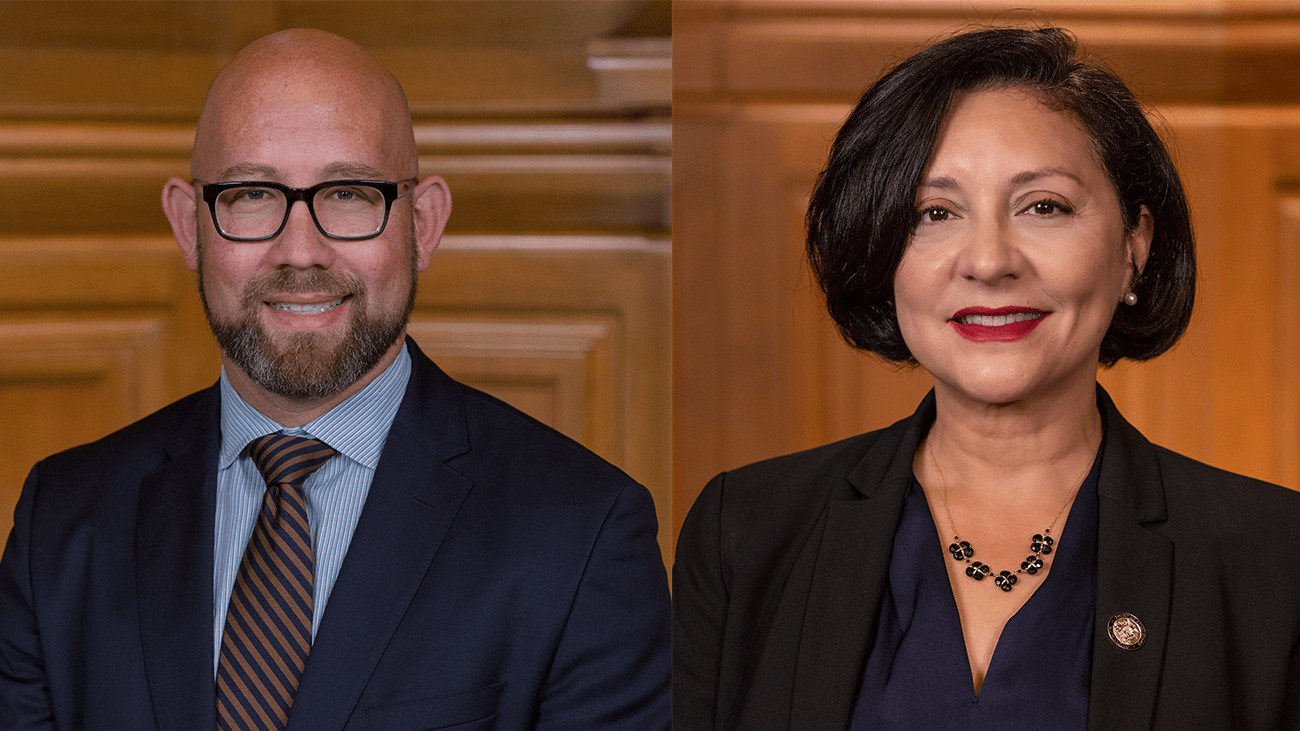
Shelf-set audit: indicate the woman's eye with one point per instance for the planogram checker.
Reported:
(934, 215)
(1048, 207)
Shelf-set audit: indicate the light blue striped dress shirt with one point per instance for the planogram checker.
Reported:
(356, 429)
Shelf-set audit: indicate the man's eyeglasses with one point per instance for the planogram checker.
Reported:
(347, 210)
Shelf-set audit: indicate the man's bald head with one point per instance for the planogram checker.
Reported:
(303, 78)
(304, 319)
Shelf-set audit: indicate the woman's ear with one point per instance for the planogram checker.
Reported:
(1137, 244)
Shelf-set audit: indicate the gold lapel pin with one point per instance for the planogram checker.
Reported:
(1126, 631)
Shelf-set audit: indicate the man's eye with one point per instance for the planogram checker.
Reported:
(248, 197)
(352, 195)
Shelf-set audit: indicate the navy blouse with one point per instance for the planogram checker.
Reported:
(917, 675)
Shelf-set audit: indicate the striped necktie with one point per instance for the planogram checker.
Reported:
(268, 625)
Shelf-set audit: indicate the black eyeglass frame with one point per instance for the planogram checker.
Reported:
(389, 190)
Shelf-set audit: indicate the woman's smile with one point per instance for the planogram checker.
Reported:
(999, 325)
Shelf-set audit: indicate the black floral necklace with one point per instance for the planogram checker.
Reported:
(1040, 545)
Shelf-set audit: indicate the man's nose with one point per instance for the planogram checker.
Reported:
(300, 244)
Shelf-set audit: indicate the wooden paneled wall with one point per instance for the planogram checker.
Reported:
(760, 86)
(548, 118)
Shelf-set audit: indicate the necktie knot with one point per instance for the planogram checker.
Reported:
(282, 458)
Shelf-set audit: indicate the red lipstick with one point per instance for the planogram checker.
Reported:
(1016, 323)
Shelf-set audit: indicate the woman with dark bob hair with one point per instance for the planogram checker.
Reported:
(997, 210)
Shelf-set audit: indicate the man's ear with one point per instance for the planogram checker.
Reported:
(1137, 244)
(431, 207)
(179, 202)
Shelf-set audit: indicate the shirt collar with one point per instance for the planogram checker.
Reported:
(355, 428)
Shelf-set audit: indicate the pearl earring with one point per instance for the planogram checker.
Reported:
(1130, 299)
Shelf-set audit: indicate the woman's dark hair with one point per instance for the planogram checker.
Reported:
(863, 208)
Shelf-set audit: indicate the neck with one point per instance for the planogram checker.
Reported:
(291, 412)
(1022, 451)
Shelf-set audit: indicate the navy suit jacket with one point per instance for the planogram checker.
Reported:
(500, 576)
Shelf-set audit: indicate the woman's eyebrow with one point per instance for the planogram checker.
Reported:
(948, 183)
(1030, 176)
(942, 183)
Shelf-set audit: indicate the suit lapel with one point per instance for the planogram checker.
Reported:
(839, 625)
(412, 501)
(849, 578)
(174, 572)
(1134, 576)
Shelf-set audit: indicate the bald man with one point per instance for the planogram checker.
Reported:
(336, 535)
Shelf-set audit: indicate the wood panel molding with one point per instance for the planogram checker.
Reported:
(81, 139)
(562, 370)
(577, 242)
(537, 315)
(452, 56)
(1116, 10)
(72, 381)
(513, 178)
(1205, 52)
(632, 70)
(60, 272)
(1287, 372)
(128, 353)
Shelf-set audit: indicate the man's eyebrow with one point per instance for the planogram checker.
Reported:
(262, 171)
(247, 170)
(353, 170)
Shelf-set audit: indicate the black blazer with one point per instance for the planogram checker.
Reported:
(781, 565)
(500, 576)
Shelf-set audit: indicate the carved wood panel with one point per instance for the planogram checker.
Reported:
(65, 382)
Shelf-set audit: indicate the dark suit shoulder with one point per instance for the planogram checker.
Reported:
(527, 448)
(134, 445)
(807, 466)
(762, 514)
(1224, 507)
(95, 487)
(791, 488)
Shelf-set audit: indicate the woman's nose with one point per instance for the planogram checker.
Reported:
(990, 252)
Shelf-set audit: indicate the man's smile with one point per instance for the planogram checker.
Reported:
(306, 308)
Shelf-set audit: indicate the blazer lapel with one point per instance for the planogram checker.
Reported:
(1134, 576)
(412, 501)
(849, 578)
(174, 538)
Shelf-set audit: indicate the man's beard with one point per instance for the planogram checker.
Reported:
(301, 366)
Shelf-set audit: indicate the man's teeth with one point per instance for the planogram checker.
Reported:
(311, 309)
(998, 320)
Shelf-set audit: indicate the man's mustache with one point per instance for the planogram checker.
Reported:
(297, 281)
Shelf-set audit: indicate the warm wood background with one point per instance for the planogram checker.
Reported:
(549, 119)
(760, 87)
